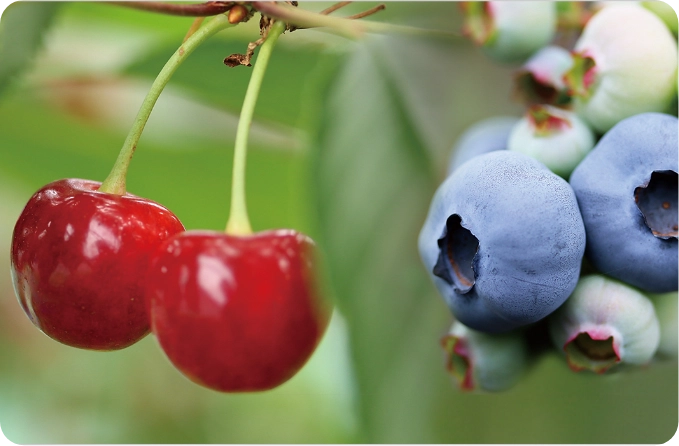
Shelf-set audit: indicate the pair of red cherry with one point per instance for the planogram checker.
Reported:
(234, 313)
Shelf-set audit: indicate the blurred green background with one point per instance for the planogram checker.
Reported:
(350, 140)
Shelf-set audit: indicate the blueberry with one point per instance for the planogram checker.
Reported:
(480, 361)
(627, 193)
(603, 324)
(624, 63)
(485, 136)
(667, 309)
(553, 136)
(665, 12)
(503, 241)
(510, 31)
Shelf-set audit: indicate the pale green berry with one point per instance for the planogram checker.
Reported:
(510, 31)
(605, 323)
(665, 12)
(667, 310)
(624, 63)
(484, 362)
(555, 137)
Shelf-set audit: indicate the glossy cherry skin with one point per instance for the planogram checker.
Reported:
(237, 313)
(79, 260)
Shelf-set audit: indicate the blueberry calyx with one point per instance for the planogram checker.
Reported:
(657, 201)
(596, 351)
(479, 24)
(532, 91)
(458, 361)
(540, 79)
(457, 250)
(580, 77)
(545, 121)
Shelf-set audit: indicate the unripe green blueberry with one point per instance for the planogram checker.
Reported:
(553, 136)
(665, 12)
(605, 323)
(625, 63)
(540, 80)
(484, 362)
(510, 31)
(667, 310)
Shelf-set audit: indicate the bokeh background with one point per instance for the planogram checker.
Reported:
(350, 140)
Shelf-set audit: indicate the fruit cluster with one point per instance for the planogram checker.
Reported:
(562, 224)
(98, 268)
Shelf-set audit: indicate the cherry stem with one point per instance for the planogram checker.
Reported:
(343, 26)
(239, 223)
(185, 10)
(115, 182)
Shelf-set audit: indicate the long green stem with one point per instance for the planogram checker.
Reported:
(239, 223)
(115, 182)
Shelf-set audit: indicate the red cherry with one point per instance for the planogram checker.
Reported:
(79, 261)
(237, 313)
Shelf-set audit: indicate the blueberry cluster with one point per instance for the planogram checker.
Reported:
(558, 230)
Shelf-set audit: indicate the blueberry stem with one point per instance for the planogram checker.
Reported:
(239, 223)
(115, 182)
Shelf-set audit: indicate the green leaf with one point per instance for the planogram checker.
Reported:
(372, 169)
(205, 76)
(22, 29)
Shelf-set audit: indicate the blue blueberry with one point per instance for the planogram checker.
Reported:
(503, 241)
(627, 193)
(485, 136)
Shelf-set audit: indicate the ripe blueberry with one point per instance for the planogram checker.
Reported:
(503, 241)
(627, 193)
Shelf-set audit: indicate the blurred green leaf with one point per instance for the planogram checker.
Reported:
(372, 169)
(22, 29)
(205, 76)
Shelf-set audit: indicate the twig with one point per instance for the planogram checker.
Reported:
(334, 8)
(186, 10)
(306, 19)
(370, 11)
